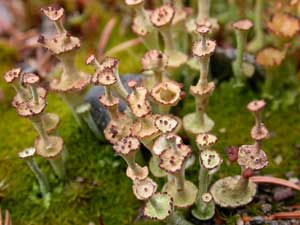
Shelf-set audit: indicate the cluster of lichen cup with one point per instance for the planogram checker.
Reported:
(147, 120)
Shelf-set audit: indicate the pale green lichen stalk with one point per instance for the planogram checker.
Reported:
(28, 156)
(241, 69)
(258, 41)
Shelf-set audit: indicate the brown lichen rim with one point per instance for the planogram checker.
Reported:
(160, 119)
(138, 182)
(127, 145)
(154, 57)
(197, 50)
(165, 86)
(12, 75)
(53, 13)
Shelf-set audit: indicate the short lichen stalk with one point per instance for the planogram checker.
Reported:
(40, 176)
(100, 67)
(119, 87)
(56, 162)
(58, 166)
(39, 126)
(259, 132)
(258, 41)
(210, 162)
(84, 110)
(21, 90)
(28, 156)
(127, 148)
(242, 184)
(174, 160)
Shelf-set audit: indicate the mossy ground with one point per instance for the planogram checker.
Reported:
(97, 188)
(103, 190)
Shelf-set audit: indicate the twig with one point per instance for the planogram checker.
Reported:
(105, 36)
(273, 180)
(284, 215)
(124, 46)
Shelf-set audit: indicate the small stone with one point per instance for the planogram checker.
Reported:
(266, 208)
(284, 222)
(257, 220)
(280, 194)
(294, 180)
(278, 160)
(274, 222)
(295, 221)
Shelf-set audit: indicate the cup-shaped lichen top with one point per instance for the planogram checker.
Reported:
(144, 189)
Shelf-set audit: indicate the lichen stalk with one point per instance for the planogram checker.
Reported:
(20, 89)
(39, 126)
(180, 180)
(154, 203)
(119, 87)
(84, 110)
(59, 27)
(35, 95)
(203, 10)
(258, 40)
(168, 39)
(72, 105)
(201, 105)
(58, 166)
(40, 176)
(130, 160)
(178, 4)
(151, 40)
(70, 73)
(176, 218)
(267, 88)
(141, 12)
(241, 38)
(203, 180)
(242, 184)
(204, 68)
